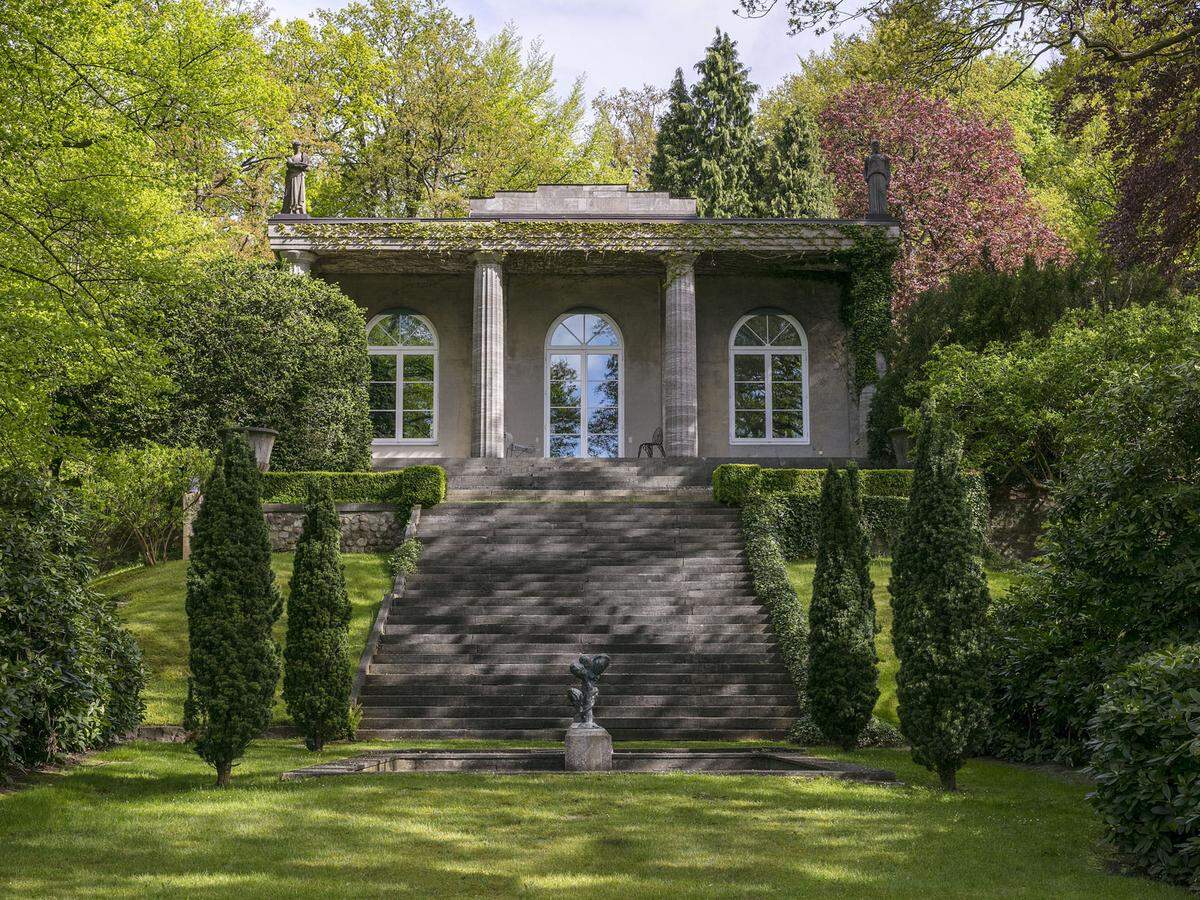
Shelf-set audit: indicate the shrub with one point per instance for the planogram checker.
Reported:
(939, 600)
(316, 680)
(1145, 756)
(790, 481)
(253, 344)
(424, 485)
(794, 520)
(1118, 575)
(403, 560)
(774, 590)
(232, 604)
(877, 733)
(70, 675)
(734, 483)
(842, 687)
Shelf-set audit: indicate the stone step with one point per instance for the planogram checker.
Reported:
(525, 620)
(651, 733)
(382, 707)
(635, 691)
(533, 630)
(469, 669)
(650, 682)
(612, 723)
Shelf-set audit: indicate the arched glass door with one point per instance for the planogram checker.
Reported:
(584, 387)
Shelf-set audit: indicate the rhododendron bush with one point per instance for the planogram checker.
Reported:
(956, 186)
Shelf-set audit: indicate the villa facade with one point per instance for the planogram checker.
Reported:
(589, 320)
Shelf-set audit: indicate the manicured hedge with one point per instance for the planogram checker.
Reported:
(795, 521)
(423, 485)
(733, 483)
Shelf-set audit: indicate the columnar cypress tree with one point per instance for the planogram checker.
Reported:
(723, 133)
(232, 602)
(673, 165)
(316, 680)
(842, 675)
(939, 600)
(794, 181)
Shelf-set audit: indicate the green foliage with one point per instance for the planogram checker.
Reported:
(795, 521)
(1118, 575)
(794, 182)
(773, 589)
(403, 561)
(139, 493)
(232, 604)
(866, 308)
(842, 677)
(316, 680)
(1144, 743)
(673, 165)
(876, 733)
(939, 601)
(256, 345)
(70, 675)
(424, 485)
(735, 483)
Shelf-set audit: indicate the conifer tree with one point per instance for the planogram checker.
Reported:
(842, 664)
(722, 132)
(794, 182)
(232, 602)
(939, 600)
(316, 680)
(672, 167)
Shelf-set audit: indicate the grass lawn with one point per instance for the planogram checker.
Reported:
(801, 576)
(143, 820)
(154, 613)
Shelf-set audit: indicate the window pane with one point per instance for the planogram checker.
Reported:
(418, 396)
(383, 368)
(569, 332)
(383, 424)
(565, 421)
(787, 367)
(606, 393)
(600, 333)
(564, 393)
(783, 333)
(381, 334)
(412, 332)
(787, 395)
(750, 425)
(418, 425)
(753, 333)
(564, 446)
(565, 368)
(382, 396)
(748, 367)
(602, 420)
(787, 424)
(748, 395)
(418, 367)
(602, 366)
(603, 446)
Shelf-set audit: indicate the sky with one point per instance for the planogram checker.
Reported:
(627, 43)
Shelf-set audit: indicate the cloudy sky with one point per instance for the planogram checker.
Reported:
(625, 43)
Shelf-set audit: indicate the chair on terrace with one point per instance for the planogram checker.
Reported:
(655, 441)
(512, 448)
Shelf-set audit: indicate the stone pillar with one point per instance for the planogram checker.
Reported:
(299, 261)
(487, 358)
(680, 426)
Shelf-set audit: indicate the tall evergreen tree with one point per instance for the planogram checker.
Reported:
(673, 165)
(722, 132)
(232, 603)
(939, 600)
(842, 676)
(794, 182)
(316, 680)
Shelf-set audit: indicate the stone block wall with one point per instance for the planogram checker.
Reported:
(366, 527)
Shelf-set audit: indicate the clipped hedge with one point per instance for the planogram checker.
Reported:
(423, 485)
(734, 483)
(1145, 748)
(795, 521)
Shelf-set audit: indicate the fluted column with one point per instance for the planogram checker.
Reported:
(487, 358)
(680, 426)
(299, 261)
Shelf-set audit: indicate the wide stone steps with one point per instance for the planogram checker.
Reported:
(507, 595)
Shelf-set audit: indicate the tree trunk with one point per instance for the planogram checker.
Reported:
(224, 769)
(949, 779)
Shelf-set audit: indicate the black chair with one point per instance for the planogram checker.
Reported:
(648, 446)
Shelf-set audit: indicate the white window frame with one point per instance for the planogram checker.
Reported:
(768, 351)
(399, 352)
(583, 350)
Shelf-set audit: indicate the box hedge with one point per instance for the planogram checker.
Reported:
(733, 483)
(416, 485)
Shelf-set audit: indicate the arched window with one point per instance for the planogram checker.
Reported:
(404, 375)
(768, 380)
(584, 386)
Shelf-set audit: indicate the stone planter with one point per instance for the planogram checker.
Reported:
(262, 442)
(900, 444)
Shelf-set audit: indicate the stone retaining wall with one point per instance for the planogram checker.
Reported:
(366, 527)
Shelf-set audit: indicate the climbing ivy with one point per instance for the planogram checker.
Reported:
(866, 304)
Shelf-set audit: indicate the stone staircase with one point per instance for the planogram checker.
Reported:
(508, 594)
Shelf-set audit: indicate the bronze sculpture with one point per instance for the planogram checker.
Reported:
(588, 670)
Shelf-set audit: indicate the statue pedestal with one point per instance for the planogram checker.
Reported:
(588, 749)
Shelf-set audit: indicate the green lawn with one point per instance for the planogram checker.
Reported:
(801, 576)
(154, 613)
(143, 820)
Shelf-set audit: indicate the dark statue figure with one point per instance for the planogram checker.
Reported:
(877, 170)
(588, 670)
(295, 202)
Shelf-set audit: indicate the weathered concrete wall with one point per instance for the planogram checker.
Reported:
(814, 300)
(366, 527)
